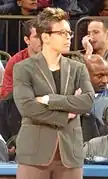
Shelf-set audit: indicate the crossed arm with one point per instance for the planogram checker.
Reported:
(59, 105)
(78, 103)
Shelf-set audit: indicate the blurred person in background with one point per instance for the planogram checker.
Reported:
(7, 6)
(15, 39)
(10, 118)
(70, 6)
(93, 122)
(96, 41)
(104, 8)
(100, 8)
(33, 46)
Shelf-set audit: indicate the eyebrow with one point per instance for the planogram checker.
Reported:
(101, 73)
(64, 30)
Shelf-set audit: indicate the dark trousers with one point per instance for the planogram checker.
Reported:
(10, 119)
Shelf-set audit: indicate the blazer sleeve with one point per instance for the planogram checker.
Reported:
(76, 104)
(26, 103)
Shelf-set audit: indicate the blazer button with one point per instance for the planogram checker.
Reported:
(54, 122)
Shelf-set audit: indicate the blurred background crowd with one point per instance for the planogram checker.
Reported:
(75, 8)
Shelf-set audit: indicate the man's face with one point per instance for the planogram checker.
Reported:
(28, 4)
(98, 34)
(99, 76)
(60, 38)
(33, 42)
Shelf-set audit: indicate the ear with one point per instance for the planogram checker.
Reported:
(26, 40)
(45, 37)
(19, 3)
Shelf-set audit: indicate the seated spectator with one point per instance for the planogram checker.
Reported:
(98, 70)
(26, 7)
(96, 42)
(100, 8)
(15, 39)
(70, 6)
(7, 6)
(33, 46)
(10, 118)
(88, 5)
(97, 147)
(76, 7)
(104, 8)
(44, 3)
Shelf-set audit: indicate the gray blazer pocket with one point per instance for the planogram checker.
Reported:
(78, 143)
(27, 142)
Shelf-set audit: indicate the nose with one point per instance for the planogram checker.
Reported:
(91, 35)
(68, 36)
(105, 79)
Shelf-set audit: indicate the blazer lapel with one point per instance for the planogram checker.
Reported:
(65, 75)
(45, 72)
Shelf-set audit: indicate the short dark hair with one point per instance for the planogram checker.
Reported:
(47, 17)
(27, 26)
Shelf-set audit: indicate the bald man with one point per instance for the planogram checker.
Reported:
(98, 70)
(95, 134)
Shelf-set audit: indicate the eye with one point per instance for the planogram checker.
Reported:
(96, 31)
(99, 76)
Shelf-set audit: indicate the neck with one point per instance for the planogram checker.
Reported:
(52, 57)
(24, 12)
(102, 51)
(30, 52)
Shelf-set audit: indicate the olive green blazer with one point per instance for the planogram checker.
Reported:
(43, 127)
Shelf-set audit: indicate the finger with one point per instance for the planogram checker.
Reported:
(78, 92)
(71, 115)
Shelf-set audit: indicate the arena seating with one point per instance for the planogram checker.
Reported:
(89, 170)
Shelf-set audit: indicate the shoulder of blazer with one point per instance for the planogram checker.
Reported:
(73, 63)
(30, 60)
(75, 56)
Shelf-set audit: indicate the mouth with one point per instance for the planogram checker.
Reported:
(93, 42)
(102, 87)
(67, 45)
(34, 4)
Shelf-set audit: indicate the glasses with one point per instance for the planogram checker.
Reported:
(63, 33)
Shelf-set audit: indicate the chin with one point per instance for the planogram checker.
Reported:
(66, 50)
(100, 90)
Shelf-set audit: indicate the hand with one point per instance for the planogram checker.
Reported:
(39, 99)
(12, 150)
(78, 91)
(71, 116)
(87, 45)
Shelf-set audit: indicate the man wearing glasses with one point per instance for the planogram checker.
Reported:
(49, 143)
